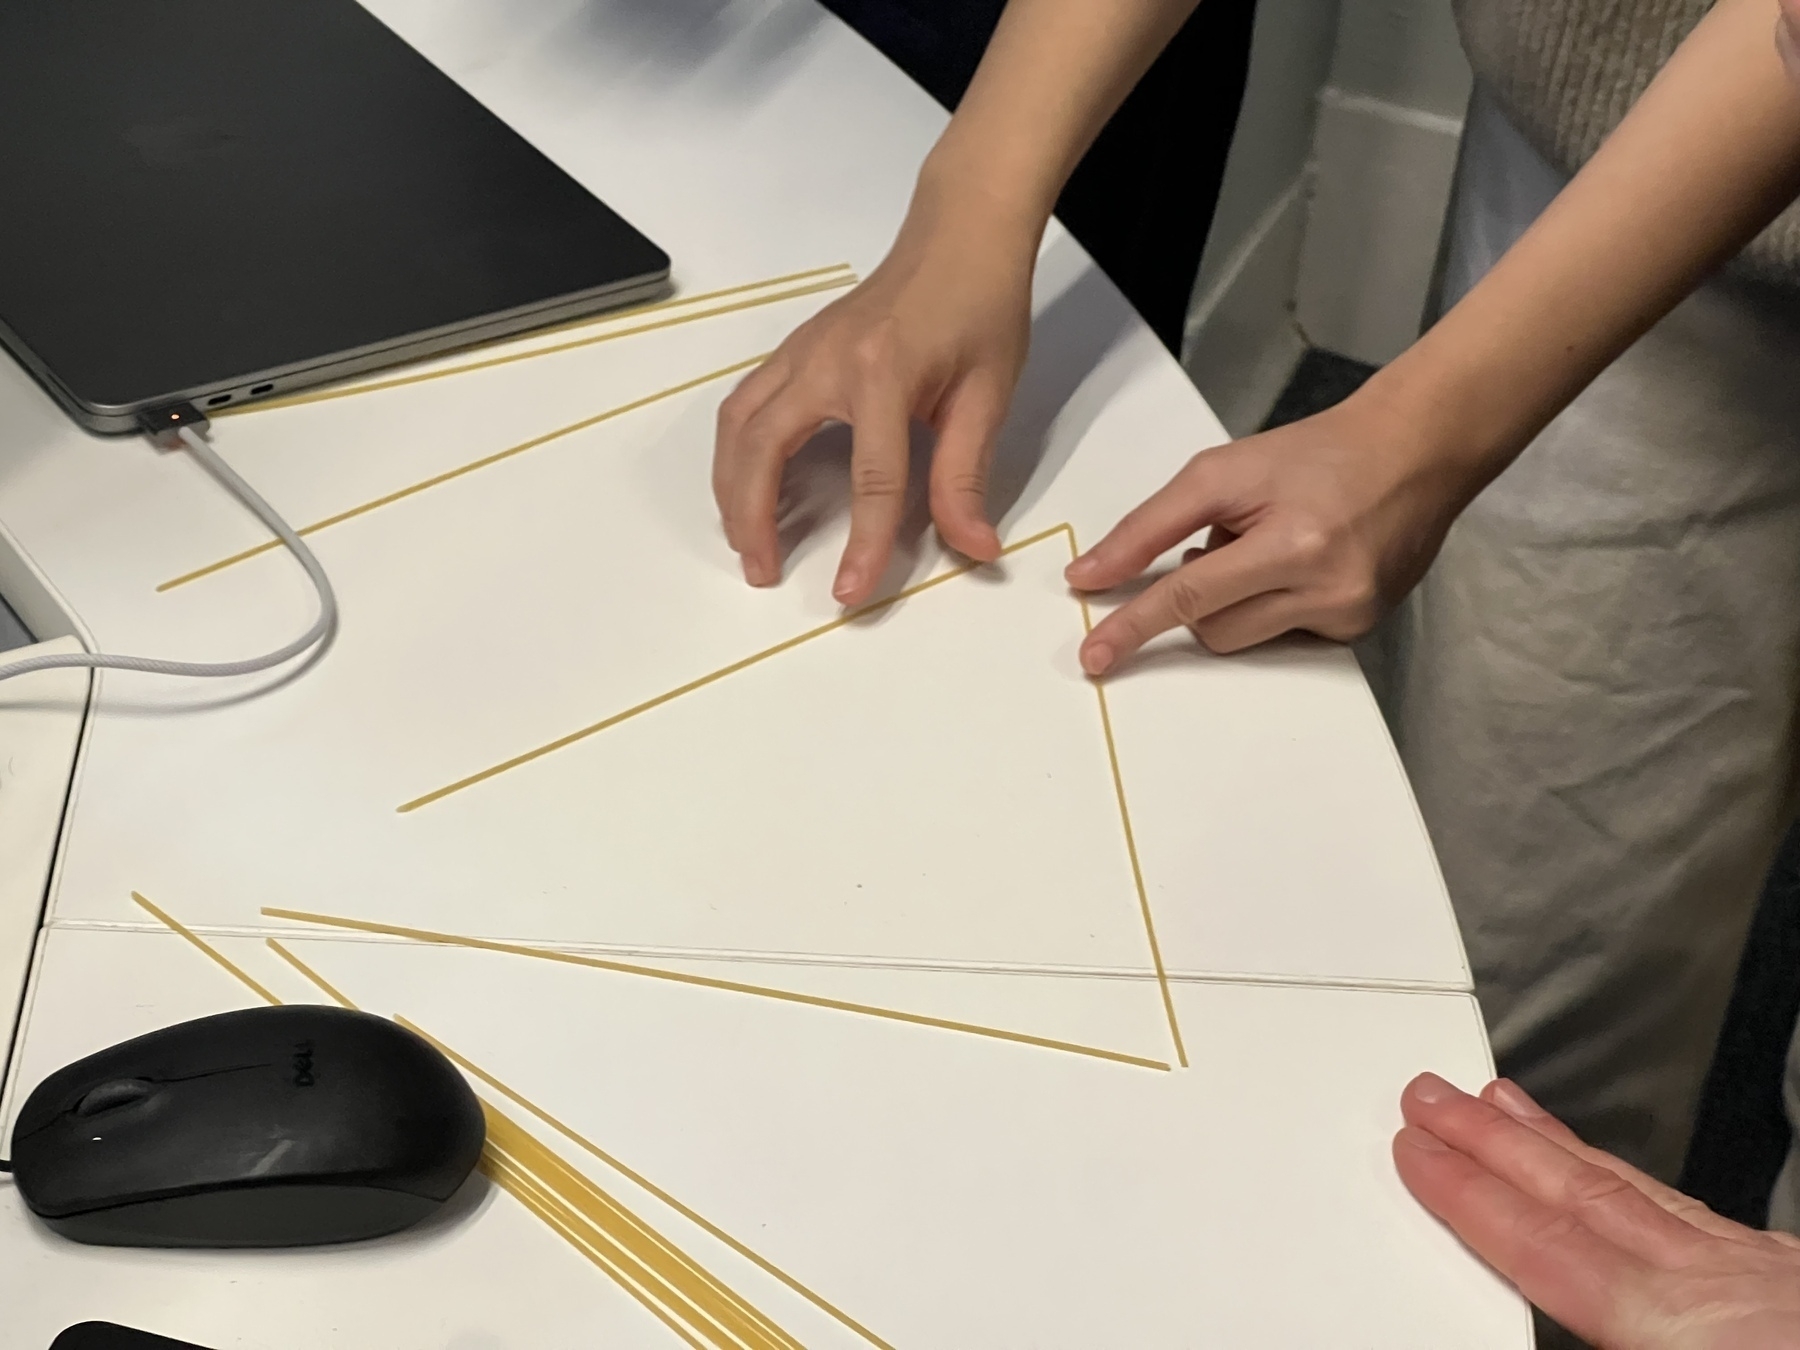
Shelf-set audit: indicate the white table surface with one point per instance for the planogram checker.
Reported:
(916, 811)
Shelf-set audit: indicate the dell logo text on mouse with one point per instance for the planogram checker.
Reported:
(303, 1064)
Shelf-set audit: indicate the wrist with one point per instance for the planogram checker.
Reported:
(1449, 416)
(980, 196)
(1431, 432)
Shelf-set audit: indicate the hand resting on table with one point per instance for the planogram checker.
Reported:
(1620, 1259)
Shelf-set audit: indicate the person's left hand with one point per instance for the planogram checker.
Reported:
(1618, 1258)
(938, 334)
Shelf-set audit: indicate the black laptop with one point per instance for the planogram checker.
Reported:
(220, 200)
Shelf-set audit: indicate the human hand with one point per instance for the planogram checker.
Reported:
(1618, 1258)
(937, 334)
(1320, 525)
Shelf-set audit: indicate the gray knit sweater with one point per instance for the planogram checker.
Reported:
(1567, 72)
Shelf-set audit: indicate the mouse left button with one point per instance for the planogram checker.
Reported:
(111, 1096)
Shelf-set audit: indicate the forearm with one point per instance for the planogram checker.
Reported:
(1053, 74)
(1708, 157)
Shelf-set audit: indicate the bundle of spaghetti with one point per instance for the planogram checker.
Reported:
(689, 1300)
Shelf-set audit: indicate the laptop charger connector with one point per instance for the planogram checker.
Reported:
(183, 426)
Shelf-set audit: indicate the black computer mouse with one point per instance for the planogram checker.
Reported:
(269, 1127)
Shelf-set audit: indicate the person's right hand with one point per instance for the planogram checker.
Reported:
(937, 334)
(1319, 526)
(1618, 1258)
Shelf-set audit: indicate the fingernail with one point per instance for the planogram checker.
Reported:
(1097, 658)
(1079, 568)
(1511, 1098)
(849, 581)
(1431, 1089)
(756, 572)
(1413, 1137)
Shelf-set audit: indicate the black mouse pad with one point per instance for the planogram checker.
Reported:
(106, 1336)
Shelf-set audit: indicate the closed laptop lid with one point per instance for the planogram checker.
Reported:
(198, 192)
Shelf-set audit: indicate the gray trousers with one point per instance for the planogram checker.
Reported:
(1594, 690)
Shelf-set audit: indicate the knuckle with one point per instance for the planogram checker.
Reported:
(1595, 1188)
(876, 480)
(962, 483)
(759, 438)
(1185, 598)
(749, 392)
(1197, 463)
(874, 352)
(1212, 472)
(1309, 543)
(733, 413)
(1359, 594)
(806, 337)
(1691, 1210)
(1549, 1231)
(1355, 606)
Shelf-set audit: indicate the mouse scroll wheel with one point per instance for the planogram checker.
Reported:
(109, 1096)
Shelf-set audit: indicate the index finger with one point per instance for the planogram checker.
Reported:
(750, 485)
(750, 396)
(1187, 595)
